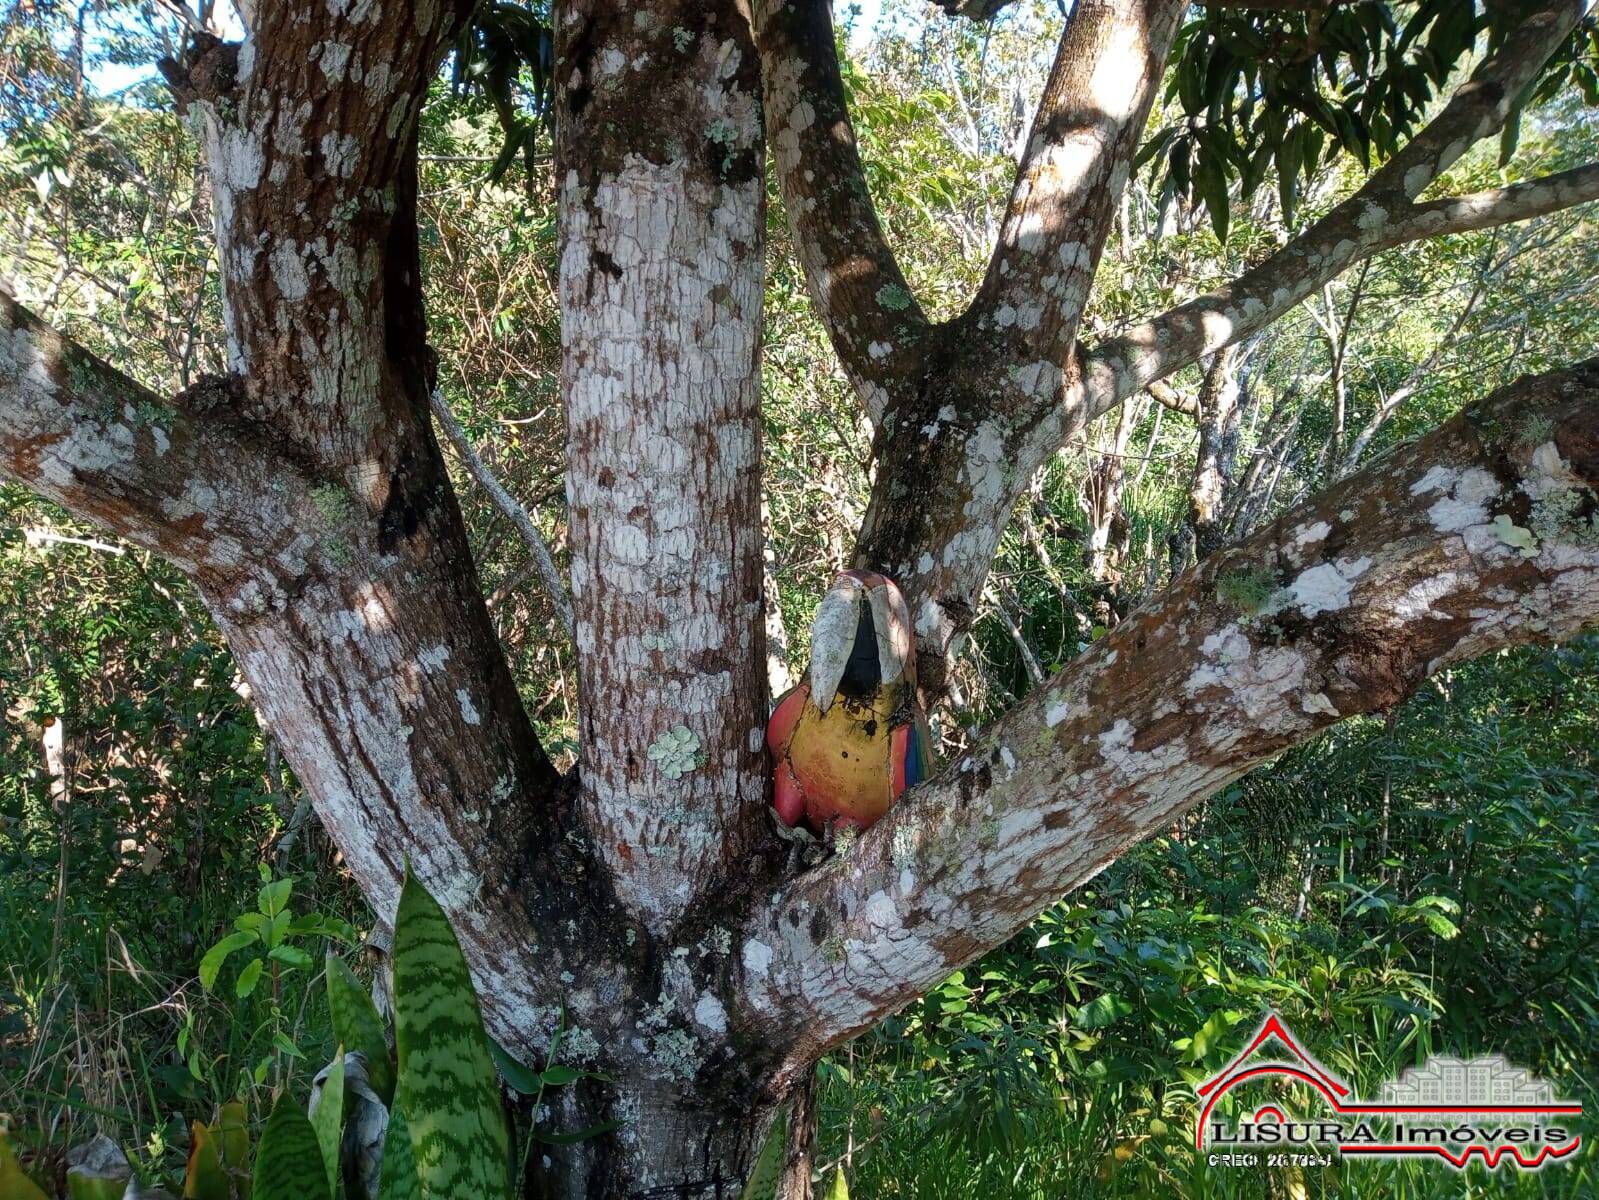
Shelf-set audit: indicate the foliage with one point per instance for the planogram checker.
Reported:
(1288, 91)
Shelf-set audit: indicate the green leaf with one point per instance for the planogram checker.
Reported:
(211, 964)
(398, 1178)
(446, 1075)
(840, 1188)
(288, 1165)
(582, 1135)
(290, 956)
(233, 1130)
(276, 929)
(766, 1175)
(1103, 1010)
(204, 1178)
(14, 1185)
(521, 1079)
(328, 1118)
(274, 896)
(356, 1023)
(248, 978)
(561, 1075)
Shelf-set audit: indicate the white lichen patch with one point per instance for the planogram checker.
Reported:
(1259, 681)
(1466, 504)
(469, 712)
(710, 1014)
(1317, 702)
(1326, 587)
(1305, 535)
(757, 957)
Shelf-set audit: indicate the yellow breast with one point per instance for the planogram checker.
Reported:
(841, 757)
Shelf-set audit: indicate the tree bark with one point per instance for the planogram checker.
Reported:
(662, 243)
(640, 904)
(1211, 484)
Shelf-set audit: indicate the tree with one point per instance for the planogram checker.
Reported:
(641, 901)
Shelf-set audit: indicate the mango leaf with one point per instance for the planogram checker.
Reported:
(14, 1185)
(840, 1188)
(327, 1115)
(288, 1164)
(398, 1180)
(1105, 1009)
(205, 1179)
(766, 1175)
(97, 1170)
(356, 1023)
(446, 1076)
(214, 957)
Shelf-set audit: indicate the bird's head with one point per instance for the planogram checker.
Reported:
(860, 639)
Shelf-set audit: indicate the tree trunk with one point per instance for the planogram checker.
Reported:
(1211, 485)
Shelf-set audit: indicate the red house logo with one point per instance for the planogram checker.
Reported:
(1453, 1108)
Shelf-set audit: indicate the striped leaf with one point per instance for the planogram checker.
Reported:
(398, 1178)
(356, 1023)
(328, 1118)
(446, 1077)
(288, 1164)
(767, 1173)
(14, 1185)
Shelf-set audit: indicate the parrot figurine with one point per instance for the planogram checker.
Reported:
(849, 738)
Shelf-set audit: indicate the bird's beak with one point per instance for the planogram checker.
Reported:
(860, 636)
(833, 637)
(891, 621)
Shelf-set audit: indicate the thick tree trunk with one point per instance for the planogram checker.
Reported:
(662, 241)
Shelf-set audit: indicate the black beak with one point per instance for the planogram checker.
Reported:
(863, 673)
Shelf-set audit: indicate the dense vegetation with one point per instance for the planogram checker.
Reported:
(1400, 887)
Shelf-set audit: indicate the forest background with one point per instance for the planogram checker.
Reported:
(1413, 883)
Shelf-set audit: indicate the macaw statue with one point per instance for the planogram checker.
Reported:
(849, 738)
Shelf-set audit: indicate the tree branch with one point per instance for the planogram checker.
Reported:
(543, 562)
(85, 435)
(1107, 71)
(308, 131)
(1480, 535)
(1169, 397)
(987, 10)
(854, 279)
(1381, 214)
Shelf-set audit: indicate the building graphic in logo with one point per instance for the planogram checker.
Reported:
(1452, 1108)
